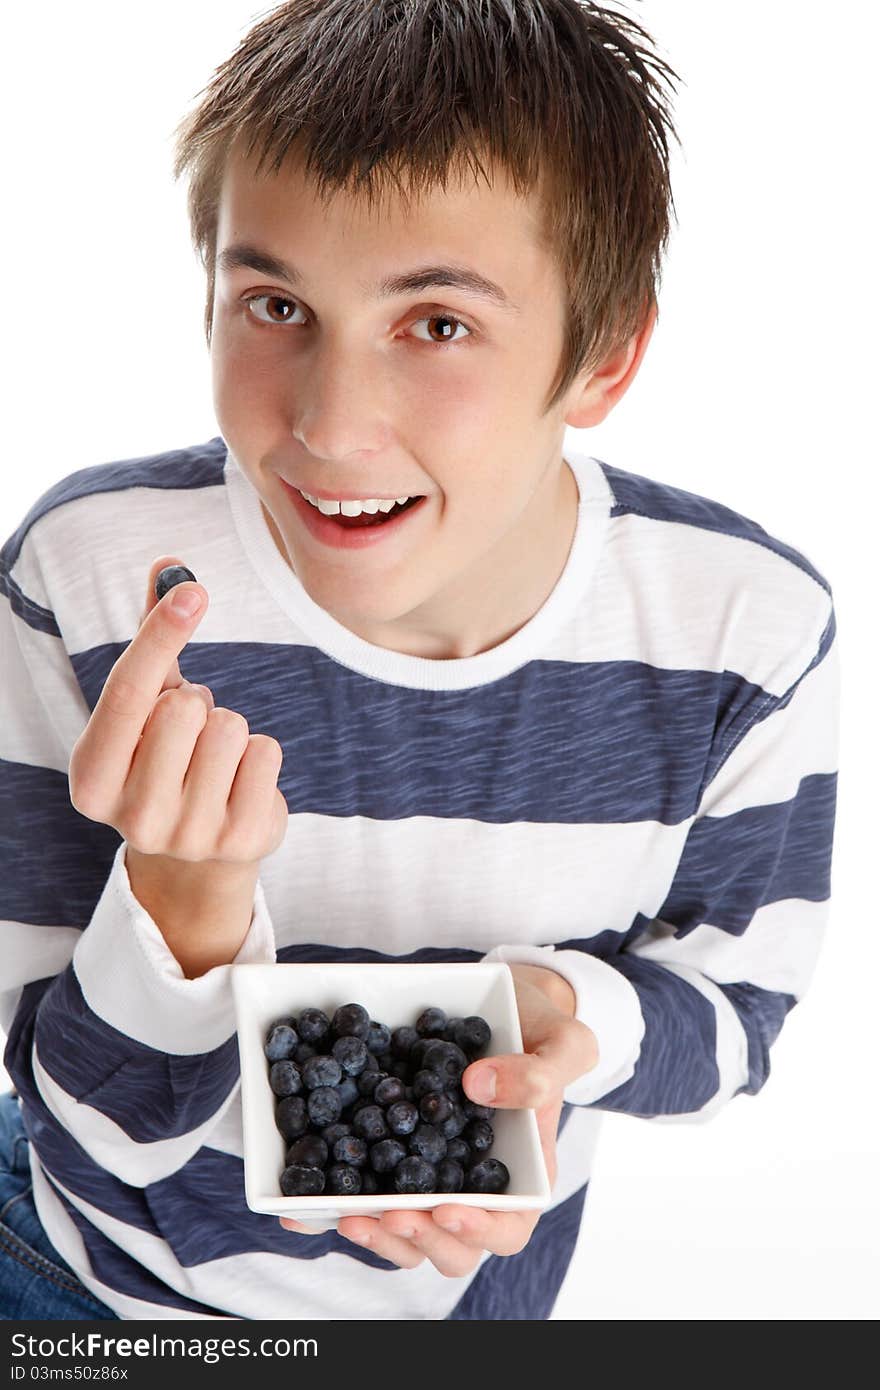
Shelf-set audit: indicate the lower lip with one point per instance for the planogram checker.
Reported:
(325, 529)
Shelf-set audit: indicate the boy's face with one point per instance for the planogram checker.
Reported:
(327, 387)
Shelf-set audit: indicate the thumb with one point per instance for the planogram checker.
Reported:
(174, 677)
(530, 1080)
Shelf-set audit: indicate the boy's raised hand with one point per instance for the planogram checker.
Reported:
(558, 1048)
(174, 775)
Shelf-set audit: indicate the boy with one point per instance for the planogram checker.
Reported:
(551, 712)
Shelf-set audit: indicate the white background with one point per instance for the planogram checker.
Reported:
(754, 391)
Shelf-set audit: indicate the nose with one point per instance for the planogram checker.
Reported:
(339, 407)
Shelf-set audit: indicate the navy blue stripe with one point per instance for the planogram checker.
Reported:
(119, 1271)
(676, 1072)
(659, 501)
(762, 1013)
(150, 1094)
(526, 1286)
(54, 863)
(733, 865)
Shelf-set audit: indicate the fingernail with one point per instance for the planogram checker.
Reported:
(186, 602)
(482, 1086)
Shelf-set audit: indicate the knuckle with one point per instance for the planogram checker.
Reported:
(181, 705)
(229, 722)
(120, 694)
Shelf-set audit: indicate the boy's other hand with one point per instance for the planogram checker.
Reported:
(175, 776)
(557, 1050)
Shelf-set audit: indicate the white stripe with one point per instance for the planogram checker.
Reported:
(778, 952)
(108, 1145)
(263, 1285)
(131, 980)
(777, 752)
(30, 952)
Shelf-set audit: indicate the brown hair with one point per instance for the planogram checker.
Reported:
(558, 92)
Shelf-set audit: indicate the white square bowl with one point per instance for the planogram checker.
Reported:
(394, 995)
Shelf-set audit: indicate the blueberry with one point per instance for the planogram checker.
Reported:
(449, 1030)
(369, 1182)
(321, 1071)
(385, 1156)
(311, 1150)
(431, 1023)
(285, 1079)
(325, 1106)
(351, 1054)
(402, 1117)
(389, 1091)
(450, 1176)
(303, 1052)
(402, 1039)
(170, 576)
(370, 1124)
(281, 1043)
(299, 1180)
(476, 1112)
(350, 1149)
(454, 1124)
(384, 1060)
(480, 1135)
(426, 1081)
(460, 1150)
(351, 1021)
(330, 1133)
(343, 1179)
(417, 1052)
(368, 1081)
(415, 1174)
(426, 1141)
(348, 1091)
(400, 1069)
(290, 1117)
(446, 1058)
(379, 1037)
(435, 1106)
(489, 1175)
(473, 1035)
(312, 1024)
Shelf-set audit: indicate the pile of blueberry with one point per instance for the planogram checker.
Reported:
(367, 1109)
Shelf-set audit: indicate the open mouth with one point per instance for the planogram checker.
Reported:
(365, 519)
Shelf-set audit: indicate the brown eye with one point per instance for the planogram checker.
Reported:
(274, 299)
(442, 329)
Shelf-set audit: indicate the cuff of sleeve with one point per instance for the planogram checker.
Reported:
(606, 1002)
(130, 978)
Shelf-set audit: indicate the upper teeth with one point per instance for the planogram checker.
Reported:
(371, 505)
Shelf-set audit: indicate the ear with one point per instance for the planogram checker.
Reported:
(596, 396)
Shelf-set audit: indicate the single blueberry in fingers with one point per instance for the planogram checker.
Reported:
(170, 576)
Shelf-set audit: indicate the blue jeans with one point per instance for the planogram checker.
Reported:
(34, 1280)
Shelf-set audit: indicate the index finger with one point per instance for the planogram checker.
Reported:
(136, 681)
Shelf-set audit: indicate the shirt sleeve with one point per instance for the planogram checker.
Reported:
(686, 1009)
(108, 1042)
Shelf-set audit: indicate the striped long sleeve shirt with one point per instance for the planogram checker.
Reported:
(636, 789)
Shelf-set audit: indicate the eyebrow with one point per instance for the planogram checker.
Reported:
(457, 277)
